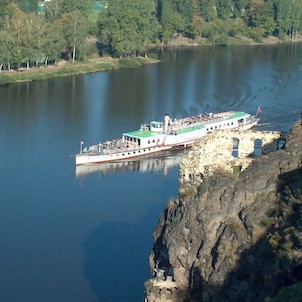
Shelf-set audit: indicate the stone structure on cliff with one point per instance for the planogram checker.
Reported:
(215, 152)
(233, 235)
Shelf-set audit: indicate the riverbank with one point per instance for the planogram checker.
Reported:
(65, 68)
(96, 63)
(232, 41)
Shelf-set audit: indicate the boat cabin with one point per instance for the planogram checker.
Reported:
(147, 136)
(156, 126)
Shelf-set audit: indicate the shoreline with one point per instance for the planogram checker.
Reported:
(99, 64)
(65, 68)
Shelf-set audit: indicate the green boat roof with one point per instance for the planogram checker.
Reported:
(148, 133)
(142, 133)
(237, 114)
(185, 130)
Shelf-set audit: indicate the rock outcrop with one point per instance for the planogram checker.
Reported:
(234, 235)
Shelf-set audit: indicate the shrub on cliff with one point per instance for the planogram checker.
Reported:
(290, 294)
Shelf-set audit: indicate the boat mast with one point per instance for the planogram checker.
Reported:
(81, 147)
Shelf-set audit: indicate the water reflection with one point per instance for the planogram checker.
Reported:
(160, 163)
(82, 242)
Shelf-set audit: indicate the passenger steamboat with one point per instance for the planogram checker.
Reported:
(164, 135)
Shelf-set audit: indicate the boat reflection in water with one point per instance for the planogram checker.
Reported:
(160, 163)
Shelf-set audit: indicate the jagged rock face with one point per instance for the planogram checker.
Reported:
(236, 238)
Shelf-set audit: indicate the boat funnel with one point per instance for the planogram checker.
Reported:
(166, 123)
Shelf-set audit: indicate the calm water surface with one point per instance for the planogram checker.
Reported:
(83, 235)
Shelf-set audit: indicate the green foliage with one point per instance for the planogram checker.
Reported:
(290, 294)
(256, 34)
(239, 6)
(27, 5)
(84, 6)
(217, 32)
(129, 63)
(261, 15)
(208, 11)
(224, 9)
(274, 240)
(288, 16)
(75, 29)
(127, 27)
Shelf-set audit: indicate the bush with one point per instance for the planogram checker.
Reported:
(129, 63)
(290, 294)
(256, 34)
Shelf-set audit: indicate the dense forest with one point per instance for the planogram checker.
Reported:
(73, 28)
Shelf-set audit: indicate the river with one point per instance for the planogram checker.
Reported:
(83, 235)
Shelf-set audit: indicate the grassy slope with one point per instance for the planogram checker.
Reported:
(68, 68)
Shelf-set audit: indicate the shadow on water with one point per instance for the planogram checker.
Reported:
(115, 255)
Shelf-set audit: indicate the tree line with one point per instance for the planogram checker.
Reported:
(127, 27)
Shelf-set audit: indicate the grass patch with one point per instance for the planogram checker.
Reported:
(129, 63)
(69, 68)
(188, 191)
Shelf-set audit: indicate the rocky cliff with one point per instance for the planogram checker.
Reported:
(232, 234)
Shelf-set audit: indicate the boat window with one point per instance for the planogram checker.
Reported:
(156, 124)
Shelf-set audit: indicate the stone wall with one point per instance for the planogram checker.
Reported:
(214, 152)
(159, 289)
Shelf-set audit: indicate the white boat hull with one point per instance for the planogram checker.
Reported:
(101, 158)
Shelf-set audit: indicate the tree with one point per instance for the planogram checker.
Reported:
(126, 27)
(6, 49)
(27, 5)
(288, 16)
(53, 10)
(260, 15)
(239, 7)
(37, 35)
(83, 6)
(224, 9)
(75, 30)
(54, 42)
(208, 9)
(167, 20)
(3, 5)
(147, 25)
(185, 9)
(197, 20)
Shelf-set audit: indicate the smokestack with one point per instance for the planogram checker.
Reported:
(166, 123)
